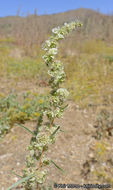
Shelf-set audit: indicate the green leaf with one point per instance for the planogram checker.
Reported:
(19, 182)
(16, 174)
(54, 132)
(65, 106)
(61, 170)
(25, 128)
(61, 130)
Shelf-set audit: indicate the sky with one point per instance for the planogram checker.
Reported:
(10, 7)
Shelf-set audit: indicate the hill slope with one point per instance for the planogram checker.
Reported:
(33, 29)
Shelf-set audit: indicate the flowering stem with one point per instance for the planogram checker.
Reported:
(41, 159)
(54, 109)
(51, 123)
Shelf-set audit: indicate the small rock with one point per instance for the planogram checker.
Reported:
(5, 155)
(15, 179)
(91, 155)
(90, 125)
(18, 163)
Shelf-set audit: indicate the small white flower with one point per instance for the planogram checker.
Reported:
(63, 92)
(60, 36)
(55, 30)
(48, 43)
(66, 24)
(53, 51)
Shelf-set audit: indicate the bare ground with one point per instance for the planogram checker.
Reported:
(70, 150)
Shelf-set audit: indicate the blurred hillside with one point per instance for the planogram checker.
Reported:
(87, 54)
(33, 29)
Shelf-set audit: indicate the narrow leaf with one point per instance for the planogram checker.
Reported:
(26, 128)
(61, 130)
(19, 182)
(54, 132)
(16, 174)
(65, 106)
(61, 170)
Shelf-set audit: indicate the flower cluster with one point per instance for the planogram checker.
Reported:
(45, 134)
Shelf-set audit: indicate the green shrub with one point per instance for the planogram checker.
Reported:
(12, 111)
